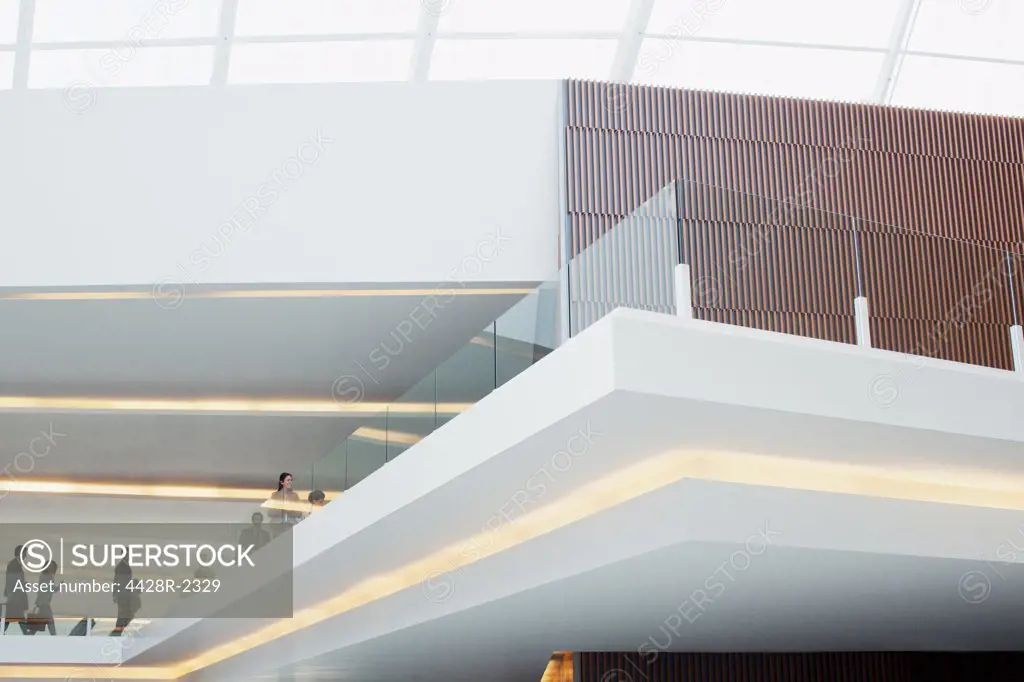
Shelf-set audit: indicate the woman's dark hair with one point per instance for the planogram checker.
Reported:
(280, 481)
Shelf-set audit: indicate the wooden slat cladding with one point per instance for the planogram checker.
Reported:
(610, 172)
(770, 193)
(798, 667)
(597, 105)
(829, 327)
(679, 667)
(970, 342)
(740, 266)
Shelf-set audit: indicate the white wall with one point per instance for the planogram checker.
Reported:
(413, 184)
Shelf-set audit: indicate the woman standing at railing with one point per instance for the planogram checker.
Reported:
(284, 503)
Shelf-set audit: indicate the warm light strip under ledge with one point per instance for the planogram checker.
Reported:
(147, 490)
(174, 293)
(936, 486)
(224, 405)
(387, 436)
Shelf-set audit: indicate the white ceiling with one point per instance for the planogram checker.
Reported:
(256, 348)
(277, 347)
(789, 599)
(961, 55)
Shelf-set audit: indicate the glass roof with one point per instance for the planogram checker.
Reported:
(959, 55)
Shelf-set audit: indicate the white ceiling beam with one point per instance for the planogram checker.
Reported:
(226, 35)
(632, 38)
(901, 30)
(426, 36)
(481, 35)
(23, 48)
(756, 42)
(120, 44)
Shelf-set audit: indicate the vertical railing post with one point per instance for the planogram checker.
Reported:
(862, 320)
(3, 619)
(681, 273)
(684, 296)
(861, 312)
(565, 312)
(1017, 345)
(1016, 332)
(678, 208)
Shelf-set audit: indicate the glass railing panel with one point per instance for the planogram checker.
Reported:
(938, 297)
(526, 333)
(405, 430)
(331, 472)
(782, 265)
(628, 264)
(466, 377)
(795, 263)
(365, 451)
(413, 416)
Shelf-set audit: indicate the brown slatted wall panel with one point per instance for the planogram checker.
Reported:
(1015, 266)
(971, 342)
(798, 667)
(829, 327)
(936, 197)
(762, 267)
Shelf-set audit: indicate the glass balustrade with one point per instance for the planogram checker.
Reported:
(511, 344)
(799, 265)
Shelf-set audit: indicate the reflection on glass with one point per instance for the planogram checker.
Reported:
(629, 265)
(330, 472)
(525, 334)
(468, 376)
(366, 450)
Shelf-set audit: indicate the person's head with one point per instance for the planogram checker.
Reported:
(17, 552)
(257, 519)
(50, 570)
(317, 498)
(284, 481)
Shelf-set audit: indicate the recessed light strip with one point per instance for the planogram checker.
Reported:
(173, 291)
(224, 405)
(147, 490)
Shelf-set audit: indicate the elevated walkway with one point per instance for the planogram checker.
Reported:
(657, 484)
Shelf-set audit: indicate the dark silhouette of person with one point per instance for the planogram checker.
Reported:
(17, 600)
(126, 598)
(255, 535)
(44, 610)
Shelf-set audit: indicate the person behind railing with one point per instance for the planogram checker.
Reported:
(125, 596)
(284, 502)
(42, 616)
(316, 499)
(255, 535)
(17, 599)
